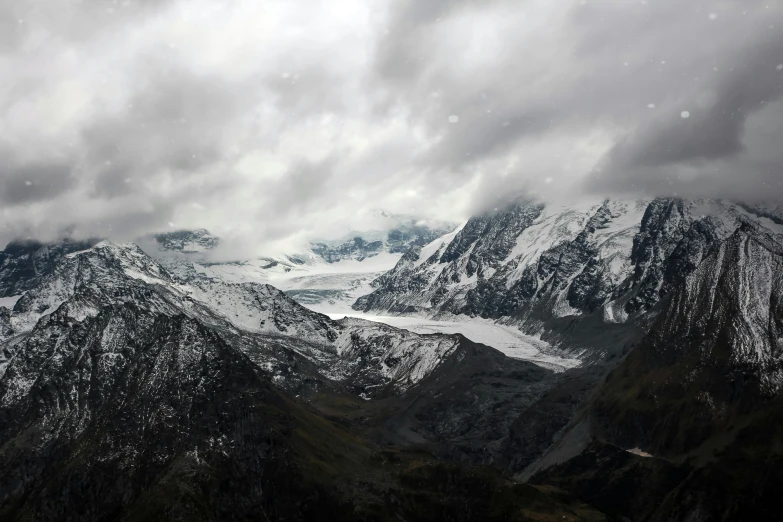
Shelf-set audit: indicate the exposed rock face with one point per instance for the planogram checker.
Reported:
(187, 241)
(98, 413)
(714, 352)
(547, 268)
(730, 311)
(23, 263)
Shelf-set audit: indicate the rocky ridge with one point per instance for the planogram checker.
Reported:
(544, 268)
(24, 262)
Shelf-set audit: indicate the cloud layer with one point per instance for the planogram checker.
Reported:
(277, 121)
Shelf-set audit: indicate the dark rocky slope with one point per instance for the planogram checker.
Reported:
(701, 393)
(712, 356)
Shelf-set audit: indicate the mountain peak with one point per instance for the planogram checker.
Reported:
(25, 261)
(187, 241)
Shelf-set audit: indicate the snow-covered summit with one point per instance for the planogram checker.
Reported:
(186, 241)
(536, 264)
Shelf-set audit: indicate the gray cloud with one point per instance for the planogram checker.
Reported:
(27, 179)
(713, 146)
(33, 182)
(268, 122)
(175, 124)
(299, 193)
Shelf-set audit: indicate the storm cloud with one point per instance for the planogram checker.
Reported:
(275, 121)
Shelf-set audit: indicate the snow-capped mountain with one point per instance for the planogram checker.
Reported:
(352, 351)
(23, 262)
(543, 267)
(495, 255)
(714, 354)
(730, 311)
(699, 397)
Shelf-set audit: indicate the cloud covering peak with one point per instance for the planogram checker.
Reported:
(278, 121)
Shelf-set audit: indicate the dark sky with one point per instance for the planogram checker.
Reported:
(277, 121)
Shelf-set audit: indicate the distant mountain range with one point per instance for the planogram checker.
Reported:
(397, 235)
(332, 271)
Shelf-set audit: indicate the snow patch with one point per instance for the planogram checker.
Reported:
(9, 302)
(638, 452)
(506, 339)
(428, 250)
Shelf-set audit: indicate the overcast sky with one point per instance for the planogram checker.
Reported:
(279, 121)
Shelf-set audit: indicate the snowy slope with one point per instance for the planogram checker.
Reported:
(86, 283)
(504, 248)
(506, 339)
(533, 265)
(728, 314)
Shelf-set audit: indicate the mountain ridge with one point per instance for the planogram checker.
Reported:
(612, 259)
